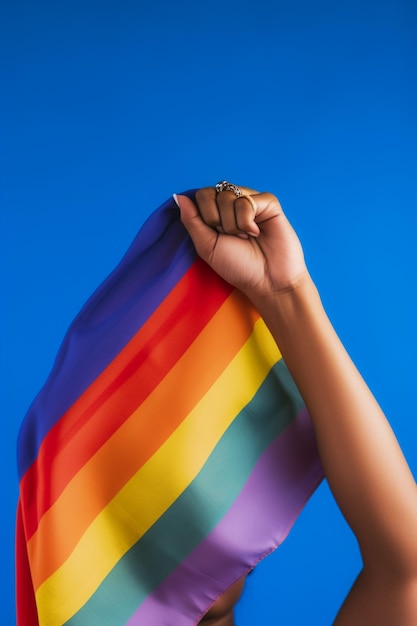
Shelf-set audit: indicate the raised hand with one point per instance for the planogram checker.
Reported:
(250, 243)
(247, 240)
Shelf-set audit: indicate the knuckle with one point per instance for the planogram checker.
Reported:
(273, 199)
(204, 194)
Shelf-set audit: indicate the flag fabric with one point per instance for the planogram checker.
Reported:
(168, 452)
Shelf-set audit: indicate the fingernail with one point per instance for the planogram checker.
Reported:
(174, 195)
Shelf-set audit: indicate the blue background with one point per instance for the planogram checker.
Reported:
(109, 107)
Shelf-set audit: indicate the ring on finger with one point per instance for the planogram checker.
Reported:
(252, 201)
(224, 185)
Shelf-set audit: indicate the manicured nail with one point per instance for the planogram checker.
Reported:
(174, 195)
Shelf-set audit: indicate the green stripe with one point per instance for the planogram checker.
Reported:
(176, 533)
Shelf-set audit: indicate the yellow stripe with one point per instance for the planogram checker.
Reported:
(134, 440)
(104, 543)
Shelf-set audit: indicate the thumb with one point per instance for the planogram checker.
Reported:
(203, 236)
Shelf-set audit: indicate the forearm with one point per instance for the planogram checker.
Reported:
(361, 457)
(362, 460)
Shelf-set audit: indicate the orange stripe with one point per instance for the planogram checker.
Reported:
(121, 387)
(138, 438)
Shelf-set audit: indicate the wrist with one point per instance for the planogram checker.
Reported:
(276, 301)
(286, 311)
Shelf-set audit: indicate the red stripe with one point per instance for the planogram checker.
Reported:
(121, 388)
(26, 611)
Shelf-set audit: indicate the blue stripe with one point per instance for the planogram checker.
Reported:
(159, 256)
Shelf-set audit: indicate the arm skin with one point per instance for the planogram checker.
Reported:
(251, 244)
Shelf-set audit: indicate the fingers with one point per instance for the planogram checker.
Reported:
(206, 200)
(203, 236)
(227, 213)
(222, 212)
(241, 216)
(237, 214)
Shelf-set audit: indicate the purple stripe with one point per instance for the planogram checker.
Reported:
(157, 259)
(259, 520)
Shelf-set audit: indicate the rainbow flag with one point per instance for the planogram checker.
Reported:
(168, 452)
